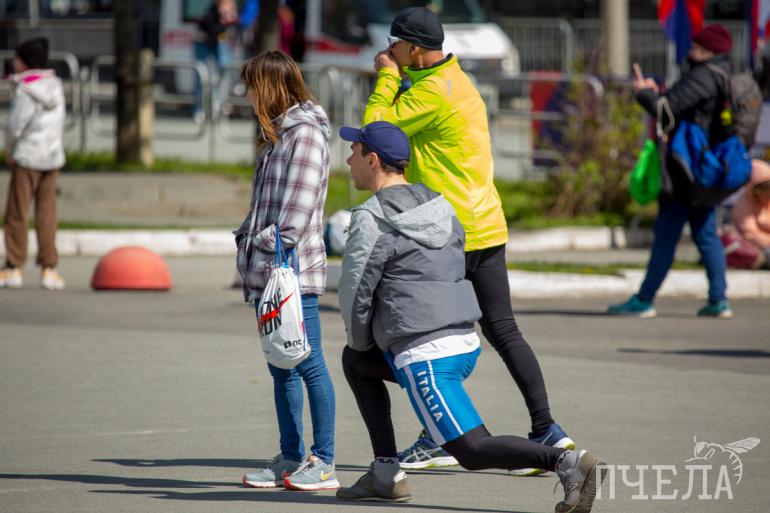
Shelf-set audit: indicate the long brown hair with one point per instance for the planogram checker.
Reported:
(278, 84)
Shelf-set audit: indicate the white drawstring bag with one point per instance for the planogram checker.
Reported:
(280, 323)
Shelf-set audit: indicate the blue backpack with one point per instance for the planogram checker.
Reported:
(725, 167)
(715, 173)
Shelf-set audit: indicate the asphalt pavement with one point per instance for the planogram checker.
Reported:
(133, 402)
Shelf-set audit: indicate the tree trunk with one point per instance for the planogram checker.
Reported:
(126, 69)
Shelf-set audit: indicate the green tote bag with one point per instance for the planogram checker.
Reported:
(645, 178)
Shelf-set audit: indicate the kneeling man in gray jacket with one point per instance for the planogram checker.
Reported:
(409, 315)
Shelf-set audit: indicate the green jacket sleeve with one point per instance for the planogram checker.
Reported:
(415, 109)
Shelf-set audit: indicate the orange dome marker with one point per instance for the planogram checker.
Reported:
(131, 268)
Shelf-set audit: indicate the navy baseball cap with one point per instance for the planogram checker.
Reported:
(385, 139)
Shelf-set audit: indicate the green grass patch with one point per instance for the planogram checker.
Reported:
(112, 226)
(598, 269)
(342, 194)
(86, 162)
(105, 161)
(85, 225)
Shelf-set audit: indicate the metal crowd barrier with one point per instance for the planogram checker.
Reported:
(101, 93)
(649, 46)
(515, 110)
(543, 43)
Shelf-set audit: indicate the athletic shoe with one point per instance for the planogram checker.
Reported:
(51, 279)
(313, 474)
(425, 453)
(718, 310)
(10, 277)
(634, 307)
(369, 488)
(554, 437)
(273, 475)
(579, 481)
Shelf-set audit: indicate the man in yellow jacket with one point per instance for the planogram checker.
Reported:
(446, 121)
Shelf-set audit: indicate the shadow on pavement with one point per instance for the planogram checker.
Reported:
(208, 462)
(596, 313)
(288, 497)
(243, 494)
(724, 353)
(572, 313)
(251, 464)
(135, 482)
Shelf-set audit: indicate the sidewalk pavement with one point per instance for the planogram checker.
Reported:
(212, 205)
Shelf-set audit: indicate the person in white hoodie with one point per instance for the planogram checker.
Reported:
(34, 152)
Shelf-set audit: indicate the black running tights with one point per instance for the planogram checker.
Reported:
(367, 371)
(486, 270)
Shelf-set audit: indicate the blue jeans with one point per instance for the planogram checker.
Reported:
(216, 58)
(668, 228)
(289, 397)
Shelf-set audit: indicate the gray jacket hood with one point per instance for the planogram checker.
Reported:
(403, 274)
(306, 113)
(415, 211)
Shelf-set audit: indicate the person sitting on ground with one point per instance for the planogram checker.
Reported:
(409, 313)
(751, 213)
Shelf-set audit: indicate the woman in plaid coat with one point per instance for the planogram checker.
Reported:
(288, 195)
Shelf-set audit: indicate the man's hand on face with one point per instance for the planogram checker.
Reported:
(384, 59)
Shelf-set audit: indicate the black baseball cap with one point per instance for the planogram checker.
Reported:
(385, 139)
(419, 26)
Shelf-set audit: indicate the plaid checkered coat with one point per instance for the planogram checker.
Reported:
(288, 192)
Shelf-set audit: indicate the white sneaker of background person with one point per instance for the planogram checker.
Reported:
(10, 278)
(50, 279)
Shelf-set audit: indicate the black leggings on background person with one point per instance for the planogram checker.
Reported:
(486, 270)
(366, 373)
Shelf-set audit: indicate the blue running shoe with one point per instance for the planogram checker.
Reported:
(718, 310)
(425, 453)
(554, 437)
(634, 307)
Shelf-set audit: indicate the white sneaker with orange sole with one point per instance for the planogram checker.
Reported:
(51, 279)
(11, 278)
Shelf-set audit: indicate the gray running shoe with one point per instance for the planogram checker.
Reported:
(580, 483)
(313, 475)
(425, 453)
(369, 488)
(273, 475)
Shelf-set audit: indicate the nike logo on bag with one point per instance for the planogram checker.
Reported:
(273, 313)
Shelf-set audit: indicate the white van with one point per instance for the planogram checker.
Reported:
(351, 32)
